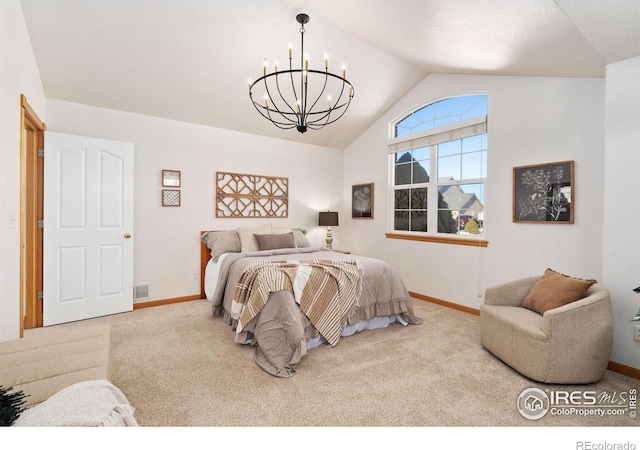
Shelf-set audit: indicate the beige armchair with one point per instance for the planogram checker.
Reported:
(570, 344)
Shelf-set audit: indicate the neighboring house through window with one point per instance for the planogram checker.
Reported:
(438, 157)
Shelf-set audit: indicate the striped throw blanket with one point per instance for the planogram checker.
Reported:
(326, 290)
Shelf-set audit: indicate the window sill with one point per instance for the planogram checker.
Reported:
(440, 239)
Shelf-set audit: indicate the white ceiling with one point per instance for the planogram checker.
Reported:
(190, 60)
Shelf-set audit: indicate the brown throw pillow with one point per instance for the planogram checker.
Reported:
(554, 289)
(275, 241)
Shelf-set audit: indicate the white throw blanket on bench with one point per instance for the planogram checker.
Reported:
(96, 403)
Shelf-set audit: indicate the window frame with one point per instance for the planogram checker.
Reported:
(427, 138)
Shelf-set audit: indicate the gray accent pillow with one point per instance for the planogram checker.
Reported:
(220, 242)
(275, 241)
(300, 239)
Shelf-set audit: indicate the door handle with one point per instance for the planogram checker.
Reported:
(127, 235)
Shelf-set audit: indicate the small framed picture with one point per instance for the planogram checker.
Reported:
(362, 201)
(170, 197)
(543, 193)
(171, 178)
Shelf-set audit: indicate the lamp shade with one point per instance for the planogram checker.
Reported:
(328, 219)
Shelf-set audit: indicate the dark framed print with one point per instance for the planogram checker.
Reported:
(544, 193)
(362, 201)
(170, 197)
(171, 178)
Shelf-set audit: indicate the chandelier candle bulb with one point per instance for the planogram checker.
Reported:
(290, 49)
(326, 62)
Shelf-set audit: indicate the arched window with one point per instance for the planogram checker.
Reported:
(438, 155)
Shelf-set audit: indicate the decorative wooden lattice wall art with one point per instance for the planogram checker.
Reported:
(243, 195)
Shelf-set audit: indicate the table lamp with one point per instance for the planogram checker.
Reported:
(328, 219)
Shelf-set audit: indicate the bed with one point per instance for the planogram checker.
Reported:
(284, 296)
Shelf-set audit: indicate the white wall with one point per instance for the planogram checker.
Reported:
(167, 246)
(531, 120)
(18, 75)
(621, 233)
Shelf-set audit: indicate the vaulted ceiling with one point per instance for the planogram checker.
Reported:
(190, 60)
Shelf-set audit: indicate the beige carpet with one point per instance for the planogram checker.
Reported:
(179, 366)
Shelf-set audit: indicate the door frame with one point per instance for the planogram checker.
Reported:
(31, 211)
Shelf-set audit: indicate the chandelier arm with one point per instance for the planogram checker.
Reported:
(341, 108)
(293, 87)
(268, 91)
(304, 113)
(267, 116)
(324, 87)
(282, 96)
(344, 82)
(315, 126)
(266, 111)
(277, 122)
(327, 113)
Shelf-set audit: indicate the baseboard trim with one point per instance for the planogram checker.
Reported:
(612, 366)
(167, 301)
(624, 370)
(475, 312)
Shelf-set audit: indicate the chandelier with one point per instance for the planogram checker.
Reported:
(294, 98)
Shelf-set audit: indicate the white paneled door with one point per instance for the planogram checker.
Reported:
(88, 228)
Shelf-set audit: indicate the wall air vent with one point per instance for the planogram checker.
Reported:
(141, 291)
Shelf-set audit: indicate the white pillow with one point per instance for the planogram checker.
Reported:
(248, 242)
(300, 239)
